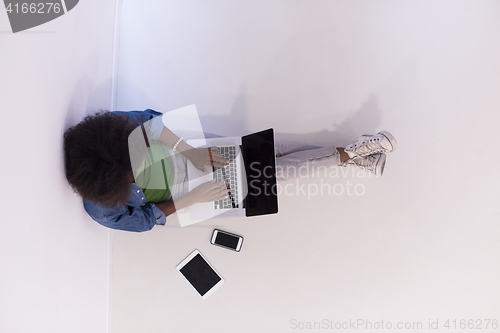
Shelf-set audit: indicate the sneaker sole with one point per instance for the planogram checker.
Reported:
(391, 139)
(379, 170)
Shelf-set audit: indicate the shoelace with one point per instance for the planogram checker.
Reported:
(373, 145)
(365, 163)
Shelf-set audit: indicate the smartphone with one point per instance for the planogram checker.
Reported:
(226, 240)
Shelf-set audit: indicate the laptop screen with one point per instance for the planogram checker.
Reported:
(260, 168)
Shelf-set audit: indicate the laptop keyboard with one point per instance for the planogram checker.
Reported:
(228, 174)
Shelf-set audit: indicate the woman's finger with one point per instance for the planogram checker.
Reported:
(201, 168)
(217, 193)
(216, 156)
(219, 157)
(215, 185)
(213, 152)
(222, 189)
(219, 196)
(219, 163)
(209, 186)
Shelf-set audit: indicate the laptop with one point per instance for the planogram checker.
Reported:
(251, 176)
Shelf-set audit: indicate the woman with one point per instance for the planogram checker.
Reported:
(98, 167)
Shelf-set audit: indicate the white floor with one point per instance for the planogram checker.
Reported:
(420, 245)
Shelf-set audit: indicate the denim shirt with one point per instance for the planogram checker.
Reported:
(137, 214)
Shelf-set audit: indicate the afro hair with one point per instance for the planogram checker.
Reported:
(97, 159)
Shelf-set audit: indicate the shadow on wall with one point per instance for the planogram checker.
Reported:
(365, 120)
(288, 67)
(86, 101)
(234, 124)
(84, 96)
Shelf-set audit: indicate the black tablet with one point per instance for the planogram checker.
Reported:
(200, 274)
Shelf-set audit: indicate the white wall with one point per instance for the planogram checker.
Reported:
(422, 243)
(53, 257)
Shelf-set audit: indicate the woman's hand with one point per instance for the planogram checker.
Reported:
(205, 156)
(207, 192)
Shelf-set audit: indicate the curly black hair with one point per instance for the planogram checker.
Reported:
(97, 159)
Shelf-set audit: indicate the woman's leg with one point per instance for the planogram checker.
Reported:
(299, 159)
(343, 155)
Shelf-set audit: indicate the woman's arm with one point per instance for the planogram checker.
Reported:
(169, 207)
(198, 156)
(169, 138)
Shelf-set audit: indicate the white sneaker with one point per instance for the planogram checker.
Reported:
(382, 142)
(374, 163)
